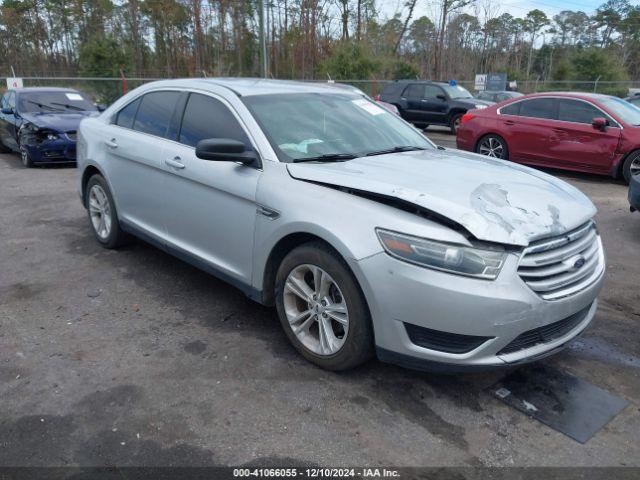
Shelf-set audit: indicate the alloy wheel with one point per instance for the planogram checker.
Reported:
(100, 211)
(634, 168)
(24, 156)
(491, 147)
(316, 309)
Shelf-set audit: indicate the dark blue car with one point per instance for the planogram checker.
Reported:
(41, 123)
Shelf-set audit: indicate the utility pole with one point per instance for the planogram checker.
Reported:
(263, 40)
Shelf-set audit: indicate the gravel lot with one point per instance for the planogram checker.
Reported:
(132, 357)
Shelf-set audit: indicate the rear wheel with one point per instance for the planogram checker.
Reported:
(322, 309)
(493, 146)
(631, 166)
(103, 216)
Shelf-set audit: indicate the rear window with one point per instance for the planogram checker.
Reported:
(155, 112)
(127, 115)
(539, 108)
(392, 89)
(513, 109)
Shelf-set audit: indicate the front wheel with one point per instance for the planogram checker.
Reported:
(321, 308)
(631, 166)
(493, 146)
(25, 157)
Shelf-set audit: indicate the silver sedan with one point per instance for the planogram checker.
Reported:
(366, 237)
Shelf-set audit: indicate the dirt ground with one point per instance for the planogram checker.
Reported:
(133, 357)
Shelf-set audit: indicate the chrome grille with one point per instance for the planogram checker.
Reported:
(561, 266)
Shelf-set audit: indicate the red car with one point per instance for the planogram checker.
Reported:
(573, 131)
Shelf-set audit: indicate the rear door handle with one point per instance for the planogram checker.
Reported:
(175, 162)
(509, 122)
(111, 143)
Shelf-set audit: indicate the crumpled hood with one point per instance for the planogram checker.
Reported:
(58, 122)
(494, 200)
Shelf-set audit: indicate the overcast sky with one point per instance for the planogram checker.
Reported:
(517, 8)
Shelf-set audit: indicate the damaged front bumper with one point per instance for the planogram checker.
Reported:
(426, 319)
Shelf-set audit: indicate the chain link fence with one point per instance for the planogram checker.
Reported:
(106, 90)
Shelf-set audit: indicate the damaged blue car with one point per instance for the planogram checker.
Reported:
(41, 123)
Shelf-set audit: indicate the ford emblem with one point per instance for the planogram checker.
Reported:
(579, 262)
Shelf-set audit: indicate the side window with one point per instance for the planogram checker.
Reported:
(205, 117)
(11, 102)
(414, 90)
(635, 101)
(127, 115)
(155, 112)
(513, 109)
(431, 91)
(539, 108)
(577, 111)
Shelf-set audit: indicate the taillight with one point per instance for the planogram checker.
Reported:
(466, 117)
(377, 98)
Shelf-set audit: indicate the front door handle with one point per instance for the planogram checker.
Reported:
(175, 162)
(111, 143)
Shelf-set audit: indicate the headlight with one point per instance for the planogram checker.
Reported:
(470, 261)
(480, 107)
(51, 136)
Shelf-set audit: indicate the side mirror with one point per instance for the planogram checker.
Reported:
(441, 97)
(100, 107)
(7, 111)
(225, 150)
(600, 123)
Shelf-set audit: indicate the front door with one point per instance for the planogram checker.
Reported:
(575, 143)
(211, 206)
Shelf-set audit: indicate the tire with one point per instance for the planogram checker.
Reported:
(454, 123)
(631, 166)
(101, 211)
(25, 158)
(483, 147)
(347, 345)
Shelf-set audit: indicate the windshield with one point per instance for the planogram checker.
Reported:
(625, 111)
(310, 125)
(54, 102)
(457, 91)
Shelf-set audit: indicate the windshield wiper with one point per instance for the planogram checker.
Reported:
(66, 105)
(403, 148)
(44, 105)
(327, 157)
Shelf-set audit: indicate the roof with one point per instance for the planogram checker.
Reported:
(42, 89)
(587, 96)
(257, 86)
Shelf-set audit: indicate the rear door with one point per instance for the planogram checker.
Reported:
(211, 206)
(575, 143)
(412, 97)
(134, 145)
(526, 128)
